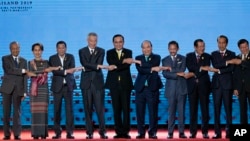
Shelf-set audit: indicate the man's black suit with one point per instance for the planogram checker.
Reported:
(92, 86)
(147, 85)
(242, 83)
(198, 90)
(222, 86)
(62, 87)
(120, 84)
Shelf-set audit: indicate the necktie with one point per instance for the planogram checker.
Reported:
(146, 58)
(222, 54)
(119, 54)
(146, 82)
(174, 61)
(16, 62)
(91, 51)
(198, 58)
(244, 56)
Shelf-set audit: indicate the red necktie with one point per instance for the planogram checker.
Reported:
(198, 58)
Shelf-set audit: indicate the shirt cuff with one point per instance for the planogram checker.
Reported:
(23, 70)
(24, 94)
(65, 72)
(219, 72)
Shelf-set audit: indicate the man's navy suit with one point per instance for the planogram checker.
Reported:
(62, 87)
(222, 86)
(147, 85)
(199, 88)
(242, 84)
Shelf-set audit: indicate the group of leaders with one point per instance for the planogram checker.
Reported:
(231, 75)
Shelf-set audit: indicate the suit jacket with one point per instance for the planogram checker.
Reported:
(13, 77)
(91, 73)
(223, 79)
(175, 84)
(122, 71)
(242, 75)
(59, 75)
(145, 74)
(201, 78)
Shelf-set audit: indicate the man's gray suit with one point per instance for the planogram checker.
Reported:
(13, 87)
(175, 91)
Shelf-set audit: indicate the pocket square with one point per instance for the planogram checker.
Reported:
(179, 62)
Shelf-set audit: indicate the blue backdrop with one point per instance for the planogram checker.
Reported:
(47, 21)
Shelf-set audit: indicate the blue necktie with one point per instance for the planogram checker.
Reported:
(16, 63)
(146, 58)
(146, 82)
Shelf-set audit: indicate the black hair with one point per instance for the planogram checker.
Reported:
(61, 42)
(242, 41)
(118, 35)
(197, 41)
(173, 43)
(223, 36)
(37, 44)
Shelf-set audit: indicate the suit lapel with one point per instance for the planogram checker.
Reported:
(65, 60)
(115, 54)
(12, 60)
(58, 60)
(87, 53)
(194, 57)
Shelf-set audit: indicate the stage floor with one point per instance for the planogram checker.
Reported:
(80, 135)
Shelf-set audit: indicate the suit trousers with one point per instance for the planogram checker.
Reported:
(67, 95)
(244, 98)
(8, 100)
(121, 107)
(176, 103)
(94, 97)
(222, 95)
(151, 99)
(199, 98)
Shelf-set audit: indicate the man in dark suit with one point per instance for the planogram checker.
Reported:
(92, 84)
(13, 89)
(175, 88)
(242, 79)
(63, 84)
(222, 84)
(198, 63)
(120, 84)
(147, 85)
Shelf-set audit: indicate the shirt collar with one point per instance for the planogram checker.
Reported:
(15, 57)
(174, 56)
(196, 54)
(119, 50)
(91, 49)
(62, 57)
(224, 51)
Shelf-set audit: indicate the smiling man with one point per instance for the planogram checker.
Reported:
(147, 85)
